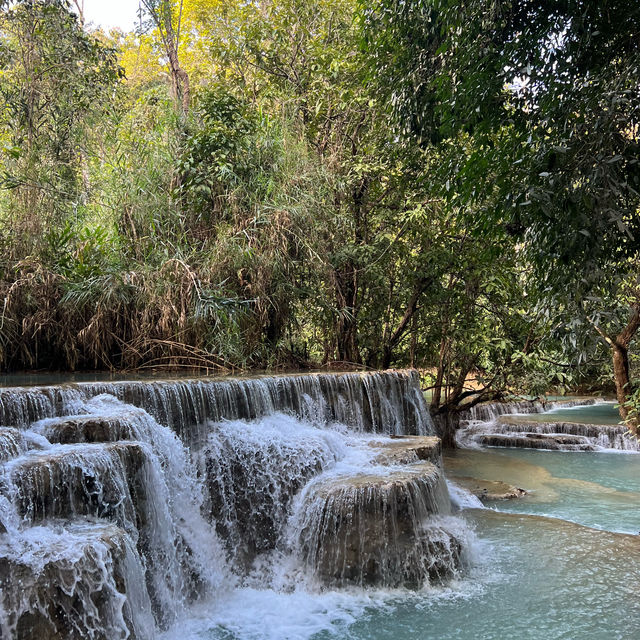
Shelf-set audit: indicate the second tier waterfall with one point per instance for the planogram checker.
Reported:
(125, 505)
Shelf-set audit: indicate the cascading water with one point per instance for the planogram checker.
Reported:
(145, 487)
(373, 402)
(116, 527)
(254, 470)
(490, 411)
(377, 529)
(551, 426)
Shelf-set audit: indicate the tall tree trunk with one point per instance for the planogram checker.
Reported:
(347, 326)
(620, 354)
(161, 13)
(179, 78)
(621, 377)
(409, 314)
(436, 397)
(620, 349)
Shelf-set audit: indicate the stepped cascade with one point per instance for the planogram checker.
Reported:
(505, 424)
(490, 411)
(124, 504)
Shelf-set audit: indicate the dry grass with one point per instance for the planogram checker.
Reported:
(165, 318)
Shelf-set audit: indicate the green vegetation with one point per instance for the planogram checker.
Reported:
(290, 183)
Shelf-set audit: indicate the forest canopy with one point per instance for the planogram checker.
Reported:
(299, 183)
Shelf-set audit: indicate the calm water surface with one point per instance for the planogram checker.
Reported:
(601, 413)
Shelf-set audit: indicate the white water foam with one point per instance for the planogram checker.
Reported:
(462, 498)
(137, 500)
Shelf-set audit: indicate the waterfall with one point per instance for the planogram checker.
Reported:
(595, 436)
(12, 443)
(490, 411)
(503, 424)
(123, 505)
(145, 486)
(388, 402)
(553, 441)
(253, 471)
(377, 529)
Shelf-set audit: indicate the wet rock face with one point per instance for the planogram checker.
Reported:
(120, 483)
(249, 507)
(12, 443)
(251, 475)
(388, 401)
(379, 529)
(75, 595)
(536, 441)
(89, 429)
(105, 481)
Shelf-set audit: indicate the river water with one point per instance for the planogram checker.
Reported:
(126, 507)
(600, 413)
(561, 563)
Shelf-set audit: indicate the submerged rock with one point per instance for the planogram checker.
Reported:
(489, 489)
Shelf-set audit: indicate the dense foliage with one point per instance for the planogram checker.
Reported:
(549, 93)
(447, 185)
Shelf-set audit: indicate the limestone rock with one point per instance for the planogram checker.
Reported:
(65, 591)
(89, 429)
(12, 443)
(489, 489)
(89, 480)
(553, 441)
(409, 449)
(379, 529)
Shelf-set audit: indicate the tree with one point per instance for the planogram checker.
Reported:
(557, 84)
(56, 80)
(167, 19)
